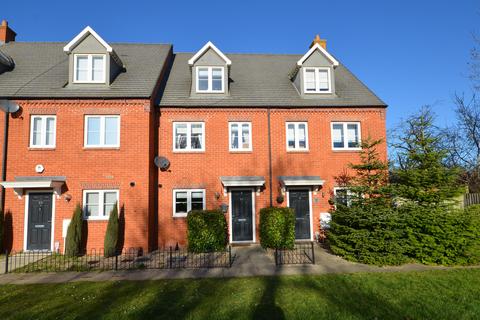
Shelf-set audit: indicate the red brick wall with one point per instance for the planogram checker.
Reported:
(86, 168)
(203, 170)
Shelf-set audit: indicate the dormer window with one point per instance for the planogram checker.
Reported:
(317, 80)
(210, 79)
(89, 68)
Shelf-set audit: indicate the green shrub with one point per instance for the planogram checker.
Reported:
(391, 236)
(368, 234)
(442, 235)
(277, 228)
(111, 236)
(74, 233)
(207, 230)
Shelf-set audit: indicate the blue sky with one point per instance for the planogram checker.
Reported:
(410, 53)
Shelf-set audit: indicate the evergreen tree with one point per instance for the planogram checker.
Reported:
(111, 236)
(422, 176)
(74, 233)
(370, 182)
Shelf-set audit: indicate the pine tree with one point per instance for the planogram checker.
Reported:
(74, 233)
(422, 176)
(111, 236)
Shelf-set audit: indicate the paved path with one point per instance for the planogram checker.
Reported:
(249, 261)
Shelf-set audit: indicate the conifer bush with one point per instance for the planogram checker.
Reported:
(111, 236)
(74, 234)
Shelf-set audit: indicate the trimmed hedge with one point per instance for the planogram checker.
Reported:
(277, 228)
(391, 236)
(207, 231)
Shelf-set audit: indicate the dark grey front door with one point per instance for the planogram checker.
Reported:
(39, 221)
(242, 222)
(299, 200)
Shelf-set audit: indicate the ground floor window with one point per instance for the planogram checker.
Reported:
(186, 200)
(342, 196)
(97, 204)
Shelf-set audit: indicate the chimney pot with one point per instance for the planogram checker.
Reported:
(320, 41)
(6, 33)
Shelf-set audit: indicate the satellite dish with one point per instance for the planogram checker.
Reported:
(162, 163)
(9, 106)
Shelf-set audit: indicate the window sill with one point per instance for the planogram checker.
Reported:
(41, 149)
(241, 151)
(188, 151)
(180, 216)
(104, 219)
(101, 148)
(346, 150)
(298, 151)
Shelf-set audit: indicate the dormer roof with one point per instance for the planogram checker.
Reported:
(318, 47)
(205, 48)
(82, 35)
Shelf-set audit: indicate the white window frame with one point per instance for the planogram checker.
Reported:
(90, 67)
(102, 131)
(210, 79)
(189, 201)
(101, 203)
(43, 132)
(189, 136)
(345, 140)
(240, 124)
(297, 142)
(317, 80)
(349, 194)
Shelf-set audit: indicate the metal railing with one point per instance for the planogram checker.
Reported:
(302, 253)
(168, 258)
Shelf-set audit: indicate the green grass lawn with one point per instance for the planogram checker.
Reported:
(453, 294)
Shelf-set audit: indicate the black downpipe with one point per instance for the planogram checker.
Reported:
(4, 156)
(269, 159)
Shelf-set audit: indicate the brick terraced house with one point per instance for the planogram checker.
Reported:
(164, 133)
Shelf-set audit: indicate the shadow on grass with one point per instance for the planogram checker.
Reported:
(364, 296)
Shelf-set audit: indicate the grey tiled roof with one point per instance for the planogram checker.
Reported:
(41, 71)
(263, 80)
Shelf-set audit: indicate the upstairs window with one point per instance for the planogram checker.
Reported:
(297, 136)
(210, 79)
(188, 136)
(89, 68)
(240, 136)
(102, 131)
(317, 80)
(346, 135)
(42, 131)
(187, 200)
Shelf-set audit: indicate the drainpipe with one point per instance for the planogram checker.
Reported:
(269, 158)
(4, 156)
(7, 107)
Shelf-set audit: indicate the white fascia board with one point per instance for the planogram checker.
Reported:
(82, 35)
(209, 45)
(322, 50)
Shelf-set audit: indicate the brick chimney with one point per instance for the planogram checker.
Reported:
(6, 34)
(321, 42)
